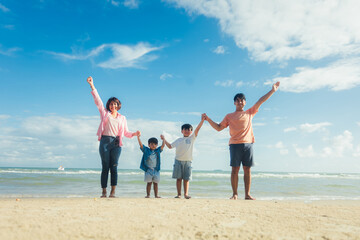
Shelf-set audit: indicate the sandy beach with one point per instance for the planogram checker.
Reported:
(124, 218)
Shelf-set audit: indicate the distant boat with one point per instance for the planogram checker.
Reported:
(61, 168)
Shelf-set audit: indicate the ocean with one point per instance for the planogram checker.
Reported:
(74, 182)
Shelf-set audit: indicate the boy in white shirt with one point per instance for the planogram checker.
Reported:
(183, 157)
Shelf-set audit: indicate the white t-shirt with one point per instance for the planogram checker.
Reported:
(111, 127)
(184, 148)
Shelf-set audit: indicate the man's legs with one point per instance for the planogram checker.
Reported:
(234, 181)
(247, 182)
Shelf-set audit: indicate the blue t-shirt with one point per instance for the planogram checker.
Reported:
(147, 153)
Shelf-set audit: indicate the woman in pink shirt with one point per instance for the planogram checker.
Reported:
(113, 127)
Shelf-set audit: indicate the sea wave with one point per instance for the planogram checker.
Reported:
(306, 175)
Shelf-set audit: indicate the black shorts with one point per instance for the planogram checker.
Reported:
(241, 153)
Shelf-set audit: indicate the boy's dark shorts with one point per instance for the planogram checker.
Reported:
(241, 154)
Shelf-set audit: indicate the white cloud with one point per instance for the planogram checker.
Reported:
(219, 50)
(341, 75)
(9, 27)
(115, 3)
(185, 113)
(3, 8)
(131, 4)
(290, 129)
(282, 30)
(166, 76)
(123, 56)
(2, 117)
(227, 83)
(281, 147)
(336, 147)
(310, 128)
(206, 40)
(307, 152)
(9, 52)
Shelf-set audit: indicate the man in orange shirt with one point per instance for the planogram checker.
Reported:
(242, 138)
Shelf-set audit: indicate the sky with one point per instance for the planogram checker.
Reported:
(169, 61)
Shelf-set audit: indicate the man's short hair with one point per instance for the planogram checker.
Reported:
(153, 140)
(240, 96)
(186, 126)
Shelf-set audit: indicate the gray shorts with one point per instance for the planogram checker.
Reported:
(182, 170)
(151, 175)
(241, 153)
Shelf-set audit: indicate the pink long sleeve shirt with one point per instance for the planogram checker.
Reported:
(104, 116)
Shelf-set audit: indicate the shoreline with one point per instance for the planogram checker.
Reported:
(168, 218)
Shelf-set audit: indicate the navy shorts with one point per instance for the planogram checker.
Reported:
(241, 154)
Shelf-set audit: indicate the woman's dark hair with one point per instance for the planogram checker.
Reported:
(113, 99)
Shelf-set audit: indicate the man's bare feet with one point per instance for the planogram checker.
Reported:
(157, 197)
(147, 196)
(112, 194)
(249, 198)
(234, 197)
(187, 196)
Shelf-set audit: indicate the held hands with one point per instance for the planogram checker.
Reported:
(138, 133)
(275, 86)
(162, 137)
(204, 117)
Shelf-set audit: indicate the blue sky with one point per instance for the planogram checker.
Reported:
(169, 61)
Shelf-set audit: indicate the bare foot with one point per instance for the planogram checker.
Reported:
(187, 196)
(249, 198)
(178, 196)
(157, 197)
(147, 196)
(103, 195)
(234, 197)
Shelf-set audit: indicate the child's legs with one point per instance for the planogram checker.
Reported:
(186, 176)
(156, 189)
(148, 189)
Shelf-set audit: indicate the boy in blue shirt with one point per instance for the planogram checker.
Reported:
(150, 163)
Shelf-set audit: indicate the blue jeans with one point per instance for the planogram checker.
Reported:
(109, 151)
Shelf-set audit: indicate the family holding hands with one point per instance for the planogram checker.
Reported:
(113, 127)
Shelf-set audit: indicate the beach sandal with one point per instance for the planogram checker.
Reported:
(187, 197)
(177, 196)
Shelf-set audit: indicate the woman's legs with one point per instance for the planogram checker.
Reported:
(105, 162)
(114, 159)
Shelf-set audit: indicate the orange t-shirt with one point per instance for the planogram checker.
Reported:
(240, 126)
